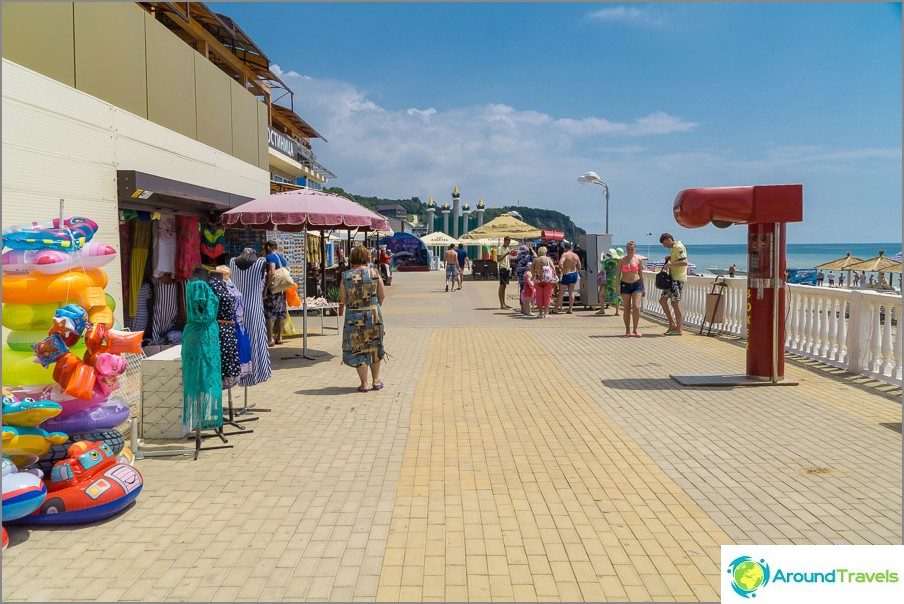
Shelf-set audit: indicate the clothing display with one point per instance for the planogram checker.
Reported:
(139, 321)
(188, 246)
(229, 347)
(362, 336)
(125, 246)
(249, 280)
(165, 245)
(610, 265)
(241, 333)
(166, 309)
(213, 242)
(141, 244)
(202, 391)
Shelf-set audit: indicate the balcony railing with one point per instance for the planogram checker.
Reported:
(854, 330)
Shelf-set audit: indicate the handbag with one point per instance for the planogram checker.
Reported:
(282, 280)
(663, 279)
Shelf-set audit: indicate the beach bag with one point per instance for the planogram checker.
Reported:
(282, 280)
(663, 279)
(602, 278)
(548, 274)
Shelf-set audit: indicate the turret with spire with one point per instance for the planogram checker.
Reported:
(456, 212)
(431, 210)
(445, 212)
(480, 210)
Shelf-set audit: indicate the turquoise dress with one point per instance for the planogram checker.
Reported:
(362, 337)
(611, 267)
(202, 387)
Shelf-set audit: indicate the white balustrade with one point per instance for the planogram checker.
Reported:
(853, 330)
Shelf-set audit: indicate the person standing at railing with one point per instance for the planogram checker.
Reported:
(676, 262)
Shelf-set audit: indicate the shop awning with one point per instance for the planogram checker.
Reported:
(142, 189)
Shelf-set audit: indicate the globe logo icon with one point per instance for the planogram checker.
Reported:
(748, 575)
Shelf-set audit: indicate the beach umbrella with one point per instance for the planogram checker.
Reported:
(503, 226)
(841, 264)
(439, 238)
(880, 263)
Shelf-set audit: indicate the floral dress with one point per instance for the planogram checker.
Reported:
(362, 336)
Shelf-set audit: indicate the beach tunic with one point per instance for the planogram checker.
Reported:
(250, 282)
(610, 265)
(241, 333)
(202, 391)
(362, 336)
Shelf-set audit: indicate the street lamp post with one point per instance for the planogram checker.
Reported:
(648, 244)
(593, 178)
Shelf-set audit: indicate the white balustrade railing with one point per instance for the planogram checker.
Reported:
(855, 330)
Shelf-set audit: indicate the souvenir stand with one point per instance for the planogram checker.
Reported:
(301, 211)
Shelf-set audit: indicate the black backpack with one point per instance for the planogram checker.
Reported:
(663, 279)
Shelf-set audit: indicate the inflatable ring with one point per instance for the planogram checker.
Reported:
(54, 262)
(31, 317)
(27, 412)
(54, 392)
(18, 440)
(87, 486)
(20, 369)
(22, 341)
(109, 415)
(76, 231)
(23, 492)
(27, 289)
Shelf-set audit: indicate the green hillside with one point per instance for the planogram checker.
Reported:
(540, 218)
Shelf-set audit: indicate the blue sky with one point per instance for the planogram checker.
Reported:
(511, 102)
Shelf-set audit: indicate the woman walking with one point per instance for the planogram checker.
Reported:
(631, 288)
(274, 304)
(544, 271)
(360, 298)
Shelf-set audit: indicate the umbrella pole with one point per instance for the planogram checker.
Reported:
(304, 292)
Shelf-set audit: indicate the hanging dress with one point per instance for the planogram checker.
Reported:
(138, 258)
(610, 265)
(362, 336)
(188, 246)
(241, 333)
(250, 282)
(202, 390)
(229, 347)
(165, 248)
(166, 309)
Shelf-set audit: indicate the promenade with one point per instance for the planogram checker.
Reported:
(507, 458)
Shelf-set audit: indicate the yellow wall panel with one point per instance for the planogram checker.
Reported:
(38, 35)
(245, 145)
(171, 79)
(263, 121)
(213, 98)
(110, 53)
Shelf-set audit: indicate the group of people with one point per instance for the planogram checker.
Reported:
(858, 279)
(539, 276)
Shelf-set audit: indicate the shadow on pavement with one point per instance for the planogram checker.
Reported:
(329, 391)
(642, 384)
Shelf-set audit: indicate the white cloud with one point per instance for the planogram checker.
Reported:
(282, 74)
(505, 154)
(634, 15)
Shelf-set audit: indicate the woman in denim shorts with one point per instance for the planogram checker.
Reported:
(631, 288)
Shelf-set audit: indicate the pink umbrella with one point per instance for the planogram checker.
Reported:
(295, 211)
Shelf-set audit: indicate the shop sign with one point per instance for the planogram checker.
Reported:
(281, 143)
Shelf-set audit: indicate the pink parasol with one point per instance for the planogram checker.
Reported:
(295, 211)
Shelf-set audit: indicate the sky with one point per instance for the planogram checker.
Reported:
(511, 102)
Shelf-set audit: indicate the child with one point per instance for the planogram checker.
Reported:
(527, 294)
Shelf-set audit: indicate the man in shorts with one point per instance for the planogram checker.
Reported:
(451, 260)
(570, 264)
(463, 261)
(676, 262)
(503, 254)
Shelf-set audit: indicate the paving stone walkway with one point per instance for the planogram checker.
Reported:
(506, 459)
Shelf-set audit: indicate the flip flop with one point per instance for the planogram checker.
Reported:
(362, 388)
(378, 385)
(637, 334)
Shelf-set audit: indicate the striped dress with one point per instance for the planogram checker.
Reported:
(250, 282)
(166, 309)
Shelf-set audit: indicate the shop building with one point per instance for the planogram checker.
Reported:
(132, 112)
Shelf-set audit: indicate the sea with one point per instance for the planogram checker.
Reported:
(799, 255)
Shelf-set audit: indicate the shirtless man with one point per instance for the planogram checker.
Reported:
(570, 264)
(451, 260)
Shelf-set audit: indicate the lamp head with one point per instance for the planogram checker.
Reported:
(589, 178)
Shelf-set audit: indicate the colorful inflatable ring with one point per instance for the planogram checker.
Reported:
(5, 539)
(112, 438)
(20, 369)
(22, 341)
(76, 231)
(23, 492)
(27, 289)
(30, 317)
(54, 262)
(109, 415)
(87, 486)
(18, 440)
(27, 412)
(54, 392)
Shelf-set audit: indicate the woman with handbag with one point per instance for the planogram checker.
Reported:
(544, 271)
(275, 287)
